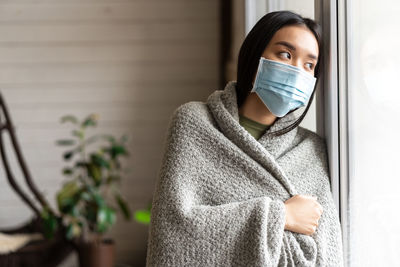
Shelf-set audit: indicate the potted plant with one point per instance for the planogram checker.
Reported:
(88, 201)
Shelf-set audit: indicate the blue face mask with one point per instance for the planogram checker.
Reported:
(282, 87)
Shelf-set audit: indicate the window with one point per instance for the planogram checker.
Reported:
(373, 55)
(356, 111)
(361, 124)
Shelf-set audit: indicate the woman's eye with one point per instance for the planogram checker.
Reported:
(285, 55)
(310, 66)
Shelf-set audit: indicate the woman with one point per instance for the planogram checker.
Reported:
(241, 184)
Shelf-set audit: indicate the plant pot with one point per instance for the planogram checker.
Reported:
(97, 254)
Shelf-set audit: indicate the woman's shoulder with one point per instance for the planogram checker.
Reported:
(192, 111)
(189, 120)
(191, 108)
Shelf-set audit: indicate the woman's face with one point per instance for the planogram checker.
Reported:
(295, 45)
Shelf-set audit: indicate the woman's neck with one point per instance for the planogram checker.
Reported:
(253, 108)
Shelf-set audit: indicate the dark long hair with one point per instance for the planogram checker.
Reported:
(254, 45)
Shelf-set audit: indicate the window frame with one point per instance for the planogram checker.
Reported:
(332, 104)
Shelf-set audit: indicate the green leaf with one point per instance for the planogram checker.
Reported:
(100, 161)
(123, 206)
(143, 216)
(117, 150)
(68, 155)
(91, 120)
(68, 196)
(81, 164)
(78, 133)
(94, 172)
(74, 211)
(73, 230)
(65, 142)
(68, 171)
(105, 218)
(111, 218)
(98, 199)
(50, 223)
(69, 118)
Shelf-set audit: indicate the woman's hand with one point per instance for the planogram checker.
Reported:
(302, 214)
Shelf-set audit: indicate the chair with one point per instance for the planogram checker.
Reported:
(43, 253)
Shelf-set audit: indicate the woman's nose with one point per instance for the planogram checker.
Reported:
(296, 63)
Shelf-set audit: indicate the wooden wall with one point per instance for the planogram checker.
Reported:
(130, 61)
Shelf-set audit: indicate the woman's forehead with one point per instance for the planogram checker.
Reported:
(298, 36)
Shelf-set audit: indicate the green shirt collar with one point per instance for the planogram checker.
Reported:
(255, 128)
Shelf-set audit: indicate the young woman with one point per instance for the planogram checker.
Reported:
(241, 183)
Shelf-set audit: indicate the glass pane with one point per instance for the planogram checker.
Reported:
(374, 94)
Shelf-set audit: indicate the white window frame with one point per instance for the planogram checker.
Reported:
(332, 104)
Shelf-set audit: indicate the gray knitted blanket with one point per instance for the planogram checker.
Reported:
(219, 197)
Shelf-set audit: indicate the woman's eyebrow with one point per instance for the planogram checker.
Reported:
(291, 47)
(312, 56)
(288, 45)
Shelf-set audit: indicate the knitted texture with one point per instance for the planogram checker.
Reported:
(219, 197)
